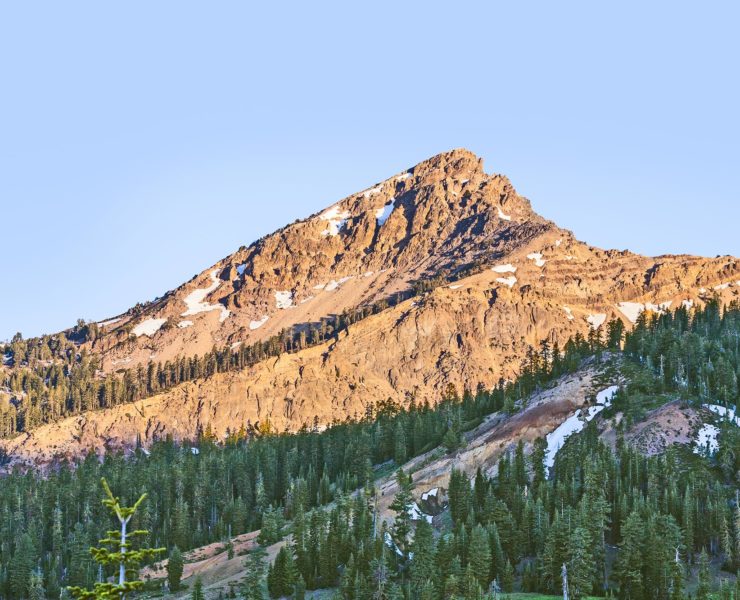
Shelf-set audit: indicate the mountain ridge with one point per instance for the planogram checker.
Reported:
(479, 276)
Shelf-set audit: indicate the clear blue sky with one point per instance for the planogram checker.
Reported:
(142, 141)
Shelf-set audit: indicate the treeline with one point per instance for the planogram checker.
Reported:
(517, 529)
(52, 378)
(253, 480)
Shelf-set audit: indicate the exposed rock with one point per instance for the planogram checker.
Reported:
(445, 222)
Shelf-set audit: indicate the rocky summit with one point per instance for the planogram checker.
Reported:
(440, 277)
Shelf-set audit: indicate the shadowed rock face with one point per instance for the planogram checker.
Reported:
(531, 281)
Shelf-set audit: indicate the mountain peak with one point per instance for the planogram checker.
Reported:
(453, 162)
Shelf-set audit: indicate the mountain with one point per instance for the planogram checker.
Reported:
(439, 278)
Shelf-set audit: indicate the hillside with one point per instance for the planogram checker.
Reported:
(441, 276)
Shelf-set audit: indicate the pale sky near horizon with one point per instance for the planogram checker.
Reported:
(141, 142)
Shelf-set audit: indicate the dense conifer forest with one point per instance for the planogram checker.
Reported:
(617, 522)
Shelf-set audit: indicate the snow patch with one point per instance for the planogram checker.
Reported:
(403, 176)
(257, 324)
(416, 515)
(707, 438)
(631, 310)
(503, 216)
(283, 299)
(508, 268)
(568, 312)
(320, 286)
(557, 243)
(368, 274)
(184, 324)
(455, 286)
(687, 303)
(384, 212)
(725, 413)
(195, 301)
(109, 322)
(510, 281)
(336, 283)
(575, 423)
(148, 327)
(372, 191)
(335, 220)
(537, 258)
(596, 320)
(430, 494)
(306, 299)
(722, 286)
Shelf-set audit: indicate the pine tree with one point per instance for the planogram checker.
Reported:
(121, 553)
(705, 577)
(581, 567)
(399, 444)
(254, 580)
(422, 565)
(21, 567)
(628, 568)
(197, 589)
(507, 578)
(479, 554)
(401, 505)
(36, 589)
(174, 569)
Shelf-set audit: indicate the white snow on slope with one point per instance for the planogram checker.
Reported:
(568, 312)
(195, 301)
(431, 493)
(596, 320)
(631, 310)
(537, 258)
(687, 303)
(658, 308)
(725, 413)
(306, 299)
(320, 286)
(416, 515)
(501, 215)
(384, 212)
(372, 191)
(403, 176)
(148, 327)
(109, 322)
(455, 286)
(575, 424)
(283, 299)
(707, 438)
(335, 283)
(722, 286)
(368, 274)
(510, 281)
(508, 268)
(184, 324)
(335, 220)
(257, 324)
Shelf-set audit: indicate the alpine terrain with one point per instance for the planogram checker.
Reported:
(424, 391)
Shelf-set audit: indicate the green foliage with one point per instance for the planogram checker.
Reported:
(174, 569)
(120, 553)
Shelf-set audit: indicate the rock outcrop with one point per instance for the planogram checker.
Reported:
(506, 279)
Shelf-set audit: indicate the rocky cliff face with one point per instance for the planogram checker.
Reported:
(510, 279)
